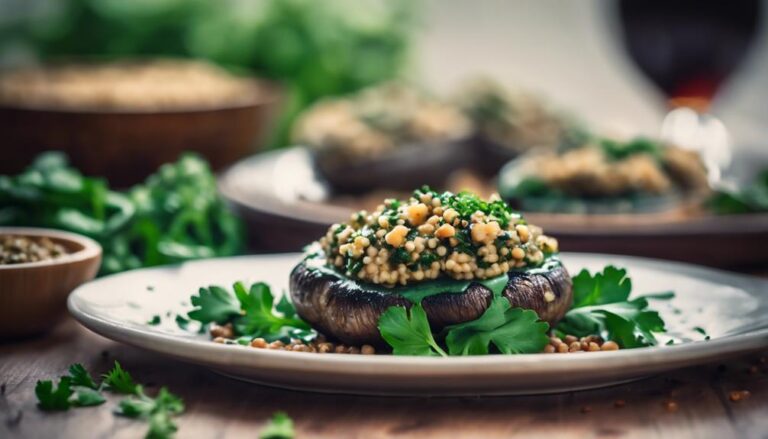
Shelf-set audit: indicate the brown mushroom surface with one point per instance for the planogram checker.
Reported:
(342, 309)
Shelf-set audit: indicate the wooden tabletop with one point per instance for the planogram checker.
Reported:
(691, 403)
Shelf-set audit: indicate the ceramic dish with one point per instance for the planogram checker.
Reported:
(296, 204)
(33, 295)
(731, 308)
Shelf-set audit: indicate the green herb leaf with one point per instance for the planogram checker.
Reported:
(155, 320)
(408, 332)
(80, 377)
(86, 397)
(612, 285)
(510, 330)
(50, 398)
(120, 381)
(602, 307)
(214, 304)
(259, 319)
(279, 427)
(158, 411)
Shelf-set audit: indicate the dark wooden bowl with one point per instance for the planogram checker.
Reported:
(127, 146)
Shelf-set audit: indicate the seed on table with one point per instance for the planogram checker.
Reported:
(593, 347)
(671, 406)
(562, 348)
(738, 395)
(570, 339)
(367, 350)
(574, 347)
(259, 343)
(549, 349)
(610, 346)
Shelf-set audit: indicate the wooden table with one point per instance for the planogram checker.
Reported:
(219, 407)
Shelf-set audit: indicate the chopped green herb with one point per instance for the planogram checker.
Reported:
(86, 397)
(81, 377)
(155, 320)
(50, 398)
(182, 322)
(602, 306)
(120, 381)
(279, 427)
(158, 411)
(510, 330)
(408, 331)
(214, 304)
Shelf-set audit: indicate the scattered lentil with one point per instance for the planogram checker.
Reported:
(23, 249)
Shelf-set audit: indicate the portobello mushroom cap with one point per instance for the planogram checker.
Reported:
(338, 309)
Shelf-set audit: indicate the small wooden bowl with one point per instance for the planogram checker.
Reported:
(33, 295)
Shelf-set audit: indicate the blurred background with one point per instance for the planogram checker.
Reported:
(624, 126)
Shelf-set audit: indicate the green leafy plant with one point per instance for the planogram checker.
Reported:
(79, 389)
(251, 311)
(314, 48)
(602, 307)
(176, 215)
(279, 427)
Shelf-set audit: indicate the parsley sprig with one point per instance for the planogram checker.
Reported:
(503, 328)
(279, 427)
(251, 311)
(601, 305)
(79, 389)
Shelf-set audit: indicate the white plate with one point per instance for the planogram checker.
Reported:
(733, 310)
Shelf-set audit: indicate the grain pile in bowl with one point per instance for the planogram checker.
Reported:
(22, 249)
(150, 85)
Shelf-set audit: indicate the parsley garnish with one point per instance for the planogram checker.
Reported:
(251, 311)
(279, 427)
(602, 306)
(50, 398)
(79, 389)
(510, 330)
(158, 411)
(408, 332)
(120, 381)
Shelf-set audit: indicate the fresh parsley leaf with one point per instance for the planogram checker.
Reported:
(259, 318)
(155, 320)
(158, 411)
(182, 322)
(120, 381)
(602, 307)
(408, 332)
(612, 285)
(214, 304)
(86, 397)
(80, 377)
(286, 307)
(510, 330)
(50, 398)
(279, 427)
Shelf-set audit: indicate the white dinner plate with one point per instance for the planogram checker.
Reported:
(732, 309)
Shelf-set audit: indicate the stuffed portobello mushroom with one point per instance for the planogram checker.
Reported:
(452, 253)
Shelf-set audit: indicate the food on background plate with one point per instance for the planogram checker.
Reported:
(15, 249)
(752, 199)
(511, 122)
(388, 136)
(148, 85)
(604, 176)
(176, 215)
(469, 277)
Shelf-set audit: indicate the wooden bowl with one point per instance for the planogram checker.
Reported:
(33, 295)
(127, 146)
